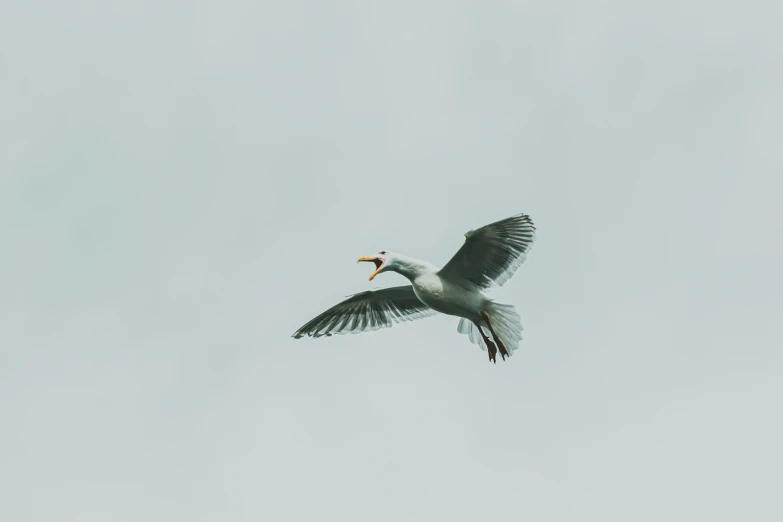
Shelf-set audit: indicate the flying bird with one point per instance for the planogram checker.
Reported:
(488, 258)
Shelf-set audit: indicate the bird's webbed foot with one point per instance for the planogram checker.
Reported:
(503, 352)
(492, 351)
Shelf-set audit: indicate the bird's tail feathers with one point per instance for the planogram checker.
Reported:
(471, 330)
(504, 320)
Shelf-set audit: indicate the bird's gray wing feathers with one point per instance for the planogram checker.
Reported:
(366, 311)
(491, 254)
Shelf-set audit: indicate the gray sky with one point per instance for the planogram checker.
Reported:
(183, 184)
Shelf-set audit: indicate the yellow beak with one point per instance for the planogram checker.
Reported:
(378, 265)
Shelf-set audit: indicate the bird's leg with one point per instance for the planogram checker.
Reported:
(503, 352)
(491, 348)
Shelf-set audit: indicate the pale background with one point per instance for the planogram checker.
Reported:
(183, 184)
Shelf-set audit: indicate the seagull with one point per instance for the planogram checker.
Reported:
(488, 258)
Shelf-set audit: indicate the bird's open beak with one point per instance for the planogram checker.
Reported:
(378, 264)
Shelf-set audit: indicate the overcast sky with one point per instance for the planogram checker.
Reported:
(184, 184)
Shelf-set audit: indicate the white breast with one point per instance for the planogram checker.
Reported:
(449, 298)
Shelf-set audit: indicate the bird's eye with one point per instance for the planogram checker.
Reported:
(383, 252)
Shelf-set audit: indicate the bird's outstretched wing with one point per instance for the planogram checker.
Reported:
(369, 310)
(491, 254)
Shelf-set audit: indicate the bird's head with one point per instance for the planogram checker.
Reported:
(384, 260)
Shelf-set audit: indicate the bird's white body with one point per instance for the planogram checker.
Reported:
(489, 256)
(450, 298)
(458, 298)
